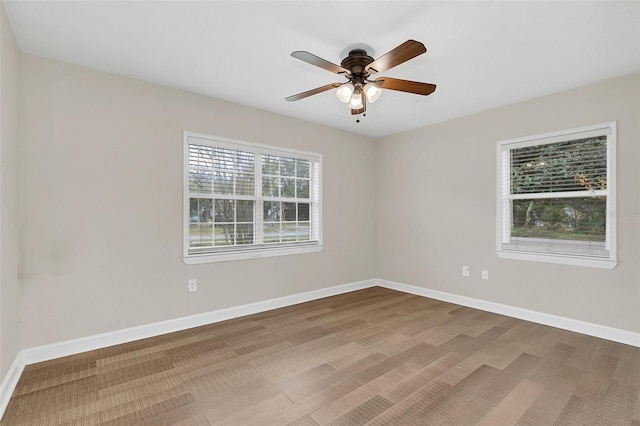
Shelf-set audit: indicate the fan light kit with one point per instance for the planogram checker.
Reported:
(357, 67)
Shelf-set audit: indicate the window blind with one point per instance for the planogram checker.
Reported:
(554, 195)
(247, 197)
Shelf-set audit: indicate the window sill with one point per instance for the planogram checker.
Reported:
(249, 254)
(559, 259)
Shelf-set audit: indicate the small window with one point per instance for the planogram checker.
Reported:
(247, 200)
(556, 195)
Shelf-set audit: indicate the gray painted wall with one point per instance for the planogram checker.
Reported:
(9, 198)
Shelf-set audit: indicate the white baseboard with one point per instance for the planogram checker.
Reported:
(10, 381)
(83, 344)
(591, 329)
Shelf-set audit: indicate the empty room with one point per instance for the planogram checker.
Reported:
(319, 213)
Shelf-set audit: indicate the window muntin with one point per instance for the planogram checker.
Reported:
(554, 195)
(242, 197)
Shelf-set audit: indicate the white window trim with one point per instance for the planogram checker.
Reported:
(611, 230)
(251, 252)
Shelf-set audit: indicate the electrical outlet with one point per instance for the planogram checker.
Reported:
(193, 285)
(485, 274)
(465, 271)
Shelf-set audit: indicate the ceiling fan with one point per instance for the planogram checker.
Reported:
(357, 67)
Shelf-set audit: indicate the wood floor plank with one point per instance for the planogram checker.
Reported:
(323, 359)
(374, 356)
(585, 351)
(628, 370)
(577, 411)
(636, 410)
(392, 362)
(301, 408)
(364, 412)
(547, 407)
(248, 393)
(514, 405)
(302, 391)
(303, 421)
(470, 413)
(343, 405)
(252, 412)
(549, 340)
(594, 384)
(420, 377)
(509, 378)
(617, 404)
(197, 420)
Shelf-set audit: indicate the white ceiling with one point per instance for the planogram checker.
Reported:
(481, 55)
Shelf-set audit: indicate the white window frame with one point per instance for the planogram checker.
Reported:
(504, 198)
(252, 251)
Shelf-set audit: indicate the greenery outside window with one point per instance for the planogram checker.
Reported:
(556, 197)
(246, 200)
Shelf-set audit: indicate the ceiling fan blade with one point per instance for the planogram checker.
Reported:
(312, 92)
(319, 62)
(405, 86)
(407, 50)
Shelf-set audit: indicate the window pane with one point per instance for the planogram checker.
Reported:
(244, 211)
(206, 210)
(577, 219)
(289, 232)
(194, 209)
(270, 186)
(231, 171)
(223, 235)
(223, 158)
(303, 231)
(302, 168)
(287, 166)
(222, 182)
(200, 181)
(244, 162)
(200, 235)
(271, 211)
(224, 211)
(200, 168)
(288, 188)
(270, 165)
(288, 212)
(303, 188)
(244, 184)
(303, 211)
(244, 234)
(200, 210)
(271, 232)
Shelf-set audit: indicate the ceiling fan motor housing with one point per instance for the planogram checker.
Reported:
(356, 63)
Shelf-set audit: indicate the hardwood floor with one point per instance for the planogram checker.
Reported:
(374, 356)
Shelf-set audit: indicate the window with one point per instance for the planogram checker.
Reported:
(556, 195)
(247, 200)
